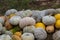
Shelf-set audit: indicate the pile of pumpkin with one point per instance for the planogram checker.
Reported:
(30, 24)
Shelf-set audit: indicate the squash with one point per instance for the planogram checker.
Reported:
(18, 34)
(57, 24)
(56, 35)
(40, 25)
(50, 29)
(10, 11)
(40, 34)
(15, 20)
(48, 20)
(28, 29)
(26, 21)
(27, 36)
(15, 37)
(57, 16)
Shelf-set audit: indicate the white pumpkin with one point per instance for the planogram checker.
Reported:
(8, 12)
(15, 20)
(5, 37)
(27, 36)
(48, 20)
(26, 21)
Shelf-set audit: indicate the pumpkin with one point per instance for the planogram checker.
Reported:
(26, 21)
(8, 25)
(48, 20)
(5, 37)
(10, 11)
(9, 33)
(25, 13)
(15, 37)
(50, 29)
(40, 25)
(28, 29)
(56, 35)
(40, 34)
(27, 36)
(18, 34)
(57, 16)
(58, 10)
(57, 24)
(15, 20)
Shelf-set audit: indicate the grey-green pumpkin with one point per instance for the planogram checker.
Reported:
(48, 20)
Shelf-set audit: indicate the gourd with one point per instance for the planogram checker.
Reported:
(57, 16)
(10, 11)
(58, 10)
(8, 26)
(5, 37)
(56, 35)
(48, 20)
(40, 25)
(18, 34)
(57, 24)
(15, 20)
(24, 13)
(40, 34)
(28, 29)
(15, 37)
(26, 21)
(50, 29)
(27, 36)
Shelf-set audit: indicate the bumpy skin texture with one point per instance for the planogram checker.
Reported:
(58, 10)
(40, 34)
(26, 21)
(56, 35)
(25, 13)
(29, 29)
(48, 20)
(5, 37)
(27, 36)
(15, 20)
(8, 12)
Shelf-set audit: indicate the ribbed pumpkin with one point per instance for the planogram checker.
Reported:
(48, 20)
(28, 29)
(57, 16)
(56, 35)
(27, 36)
(40, 34)
(26, 21)
(57, 24)
(40, 25)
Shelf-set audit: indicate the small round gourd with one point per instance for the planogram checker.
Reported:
(40, 34)
(27, 36)
(57, 24)
(28, 29)
(40, 25)
(26, 21)
(48, 20)
(15, 20)
(50, 29)
(5, 37)
(15, 37)
(10, 11)
(57, 16)
(56, 35)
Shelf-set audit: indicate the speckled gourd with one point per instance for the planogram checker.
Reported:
(26, 21)
(28, 29)
(48, 20)
(15, 20)
(40, 34)
(27, 36)
(56, 35)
